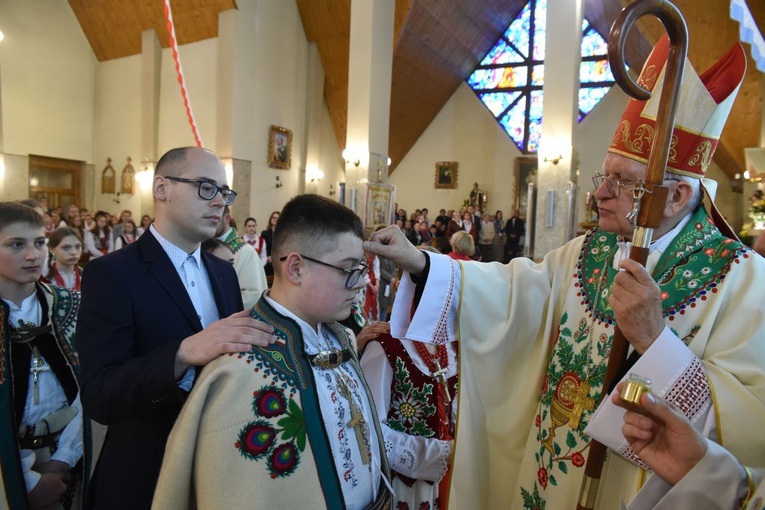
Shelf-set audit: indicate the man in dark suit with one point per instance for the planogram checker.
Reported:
(515, 228)
(150, 315)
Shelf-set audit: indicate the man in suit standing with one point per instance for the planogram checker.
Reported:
(515, 228)
(150, 315)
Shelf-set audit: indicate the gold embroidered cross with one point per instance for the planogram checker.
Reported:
(582, 401)
(357, 421)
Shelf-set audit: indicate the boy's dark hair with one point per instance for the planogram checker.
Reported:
(311, 223)
(212, 244)
(31, 202)
(59, 234)
(14, 212)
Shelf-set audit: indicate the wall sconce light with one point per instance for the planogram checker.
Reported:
(145, 176)
(331, 190)
(554, 160)
(314, 174)
(279, 183)
(351, 158)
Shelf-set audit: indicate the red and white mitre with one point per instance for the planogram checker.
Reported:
(705, 102)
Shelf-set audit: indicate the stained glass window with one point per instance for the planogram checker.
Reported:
(510, 78)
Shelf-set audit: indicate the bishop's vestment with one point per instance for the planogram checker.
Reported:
(534, 343)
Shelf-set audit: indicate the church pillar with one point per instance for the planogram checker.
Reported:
(233, 106)
(2, 156)
(370, 68)
(151, 60)
(314, 101)
(557, 159)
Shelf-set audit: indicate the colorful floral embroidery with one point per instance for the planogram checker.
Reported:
(258, 438)
(532, 500)
(410, 407)
(569, 395)
(691, 268)
(268, 402)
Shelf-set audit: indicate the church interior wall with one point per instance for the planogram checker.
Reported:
(59, 101)
(48, 81)
(463, 131)
(118, 131)
(48, 77)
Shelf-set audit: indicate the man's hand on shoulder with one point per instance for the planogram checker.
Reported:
(392, 244)
(236, 333)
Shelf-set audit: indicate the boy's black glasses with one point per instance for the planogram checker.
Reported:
(207, 190)
(353, 274)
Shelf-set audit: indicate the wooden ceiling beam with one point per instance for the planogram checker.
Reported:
(113, 27)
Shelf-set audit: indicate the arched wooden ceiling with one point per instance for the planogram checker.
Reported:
(437, 43)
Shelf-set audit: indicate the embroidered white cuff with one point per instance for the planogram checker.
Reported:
(435, 318)
(676, 375)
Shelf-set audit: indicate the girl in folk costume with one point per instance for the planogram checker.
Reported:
(98, 240)
(49, 225)
(454, 225)
(145, 224)
(128, 236)
(414, 386)
(469, 226)
(252, 238)
(372, 288)
(65, 245)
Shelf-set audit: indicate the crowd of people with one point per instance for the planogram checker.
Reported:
(495, 239)
(309, 367)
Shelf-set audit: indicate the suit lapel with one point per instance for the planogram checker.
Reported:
(225, 308)
(159, 265)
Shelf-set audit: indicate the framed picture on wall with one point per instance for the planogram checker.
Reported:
(525, 172)
(446, 175)
(279, 147)
(379, 204)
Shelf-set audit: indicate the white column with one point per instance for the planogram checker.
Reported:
(234, 103)
(314, 101)
(370, 68)
(559, 116)
(151, 61)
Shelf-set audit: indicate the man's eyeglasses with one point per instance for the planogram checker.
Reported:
(352, 275)
(207, 190)
(614, 186)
